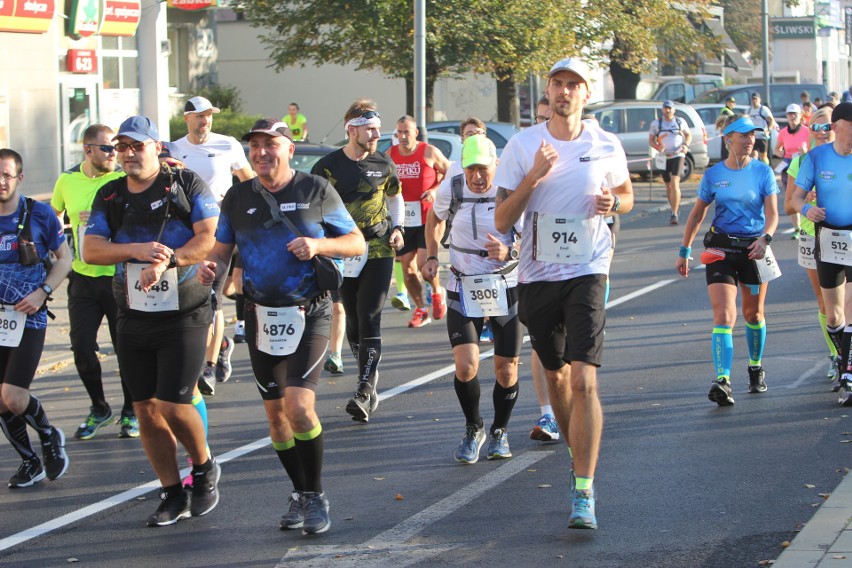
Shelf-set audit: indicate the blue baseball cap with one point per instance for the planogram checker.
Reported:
(139, 128)
(668, 103)
(743, 125)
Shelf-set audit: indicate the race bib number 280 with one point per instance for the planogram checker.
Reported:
(12, 325)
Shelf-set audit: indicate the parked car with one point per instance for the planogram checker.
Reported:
(782, 95)
(498, 132)
(709, 112)
(630, 122)
(450, 145)
(677, 88)
(305, 155)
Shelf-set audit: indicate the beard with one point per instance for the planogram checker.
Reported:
(369, 147)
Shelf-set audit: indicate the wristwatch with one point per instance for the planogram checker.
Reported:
(514, 254)
(47, 289)
(399, 228)
(615, 204)
(767, 237)
(172, 261)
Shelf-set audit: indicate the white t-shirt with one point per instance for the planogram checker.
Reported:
(461, 234)
(760, 117)
(568, 190)
(670, 134)
(213, 161)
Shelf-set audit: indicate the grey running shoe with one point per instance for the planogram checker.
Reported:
(845, 391)
(583, 510)
(363, 404)
(29, 473)
(207, 381)
(293, 518)
(316, 513)
(223, 363)
(721, 393)
(468, 450)
(171, 509)
(240, 332)
(92, 424)
(756, 376)
(498, 446)
(55, 458)
(205, 489)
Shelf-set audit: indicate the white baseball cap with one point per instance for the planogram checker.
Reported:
(198, 104)
(793, 108)
(574, 65)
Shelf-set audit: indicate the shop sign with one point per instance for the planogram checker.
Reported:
(793, 28)
(27, 16)
(84, 18)
(81, 61)
(120, 18)
(192, 4)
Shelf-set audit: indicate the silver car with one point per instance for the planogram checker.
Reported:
(450, 145)
(709, 112)
(630, 122)
(497, 132)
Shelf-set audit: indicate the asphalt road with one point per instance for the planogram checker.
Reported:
(681, 482)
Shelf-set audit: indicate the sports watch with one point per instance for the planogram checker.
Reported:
(767, 237)
(47, 289)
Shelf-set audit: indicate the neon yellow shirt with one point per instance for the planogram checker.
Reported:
(73, 193)
(805, 224)
(297, 127)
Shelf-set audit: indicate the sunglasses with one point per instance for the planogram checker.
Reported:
(105, 148)
(370, 114)
(122, 147)
(821, 127)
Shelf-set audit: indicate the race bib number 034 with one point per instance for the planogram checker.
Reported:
(279, 330)
(161, 297)
(484, 295)
(806, 256)
(562, 240)
(12, 325)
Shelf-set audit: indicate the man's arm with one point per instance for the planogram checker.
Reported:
(439, 162)
(100, 250)
(60, 269)
(510, 208)
(216, 264)
(350, 244)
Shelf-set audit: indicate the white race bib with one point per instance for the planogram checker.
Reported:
(562, 240)
(279, 330)
(161, 297)
(767, 267)
(353, 265)
(660, 161)
(413, 217)
(806, 256)
(12, 325)
(484, 295)
(835, 246)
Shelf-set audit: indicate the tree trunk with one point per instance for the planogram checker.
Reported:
(624, 80)
(508, 103)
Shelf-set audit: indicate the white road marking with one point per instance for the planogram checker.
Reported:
(388, 548)
(130, 494)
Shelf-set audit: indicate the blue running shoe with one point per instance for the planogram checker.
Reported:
(93, 423)
(400, 302)
(498, 447)
(546, 429)
(468, 450)
(583, 510)
(129, 425)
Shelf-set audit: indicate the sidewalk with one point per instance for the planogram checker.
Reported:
(825, 541)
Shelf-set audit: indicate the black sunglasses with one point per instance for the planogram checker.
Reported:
(122, 147)
(370, 114)
(105, 148)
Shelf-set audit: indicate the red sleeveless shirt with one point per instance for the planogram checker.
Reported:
(415, 175)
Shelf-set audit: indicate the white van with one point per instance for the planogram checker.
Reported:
(677, 88)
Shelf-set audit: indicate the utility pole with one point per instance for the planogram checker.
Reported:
(420, 67)
(765, 20)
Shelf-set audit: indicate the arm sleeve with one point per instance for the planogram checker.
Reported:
(396, 209)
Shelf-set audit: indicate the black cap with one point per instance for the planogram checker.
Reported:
(843, 111)
(271, 126)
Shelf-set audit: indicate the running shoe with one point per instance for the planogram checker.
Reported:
(833, 367)
(93, 422)
(129, 425)
(439, 306)
(205, 489)
(207, 381)
(428, 293)
(468, 450)
(223, 363)
(240, 331)
(546, 429)
(845, 390)
(400, 302)
(293, 519)
(420, 318)
(362, 404)
(756, 376)
(487, 335)
(171, 510)
(53, 452)
(721, 393)
(29, 473)
(795, 235)
(498, 446)
(583, 510)
(673, 219)
(334, 364)
(316, 513)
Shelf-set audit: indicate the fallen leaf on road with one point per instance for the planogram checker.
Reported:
(72, 560)
(785, 544)
(809, 486)
(379, 478)
(824, 495)
(766, 562)
(399, 497)
(544, 485)
(839, 557)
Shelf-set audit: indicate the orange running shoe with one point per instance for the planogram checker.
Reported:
(439, 306)
(421, 318)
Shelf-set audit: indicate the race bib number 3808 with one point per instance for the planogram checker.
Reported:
(562, 240)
